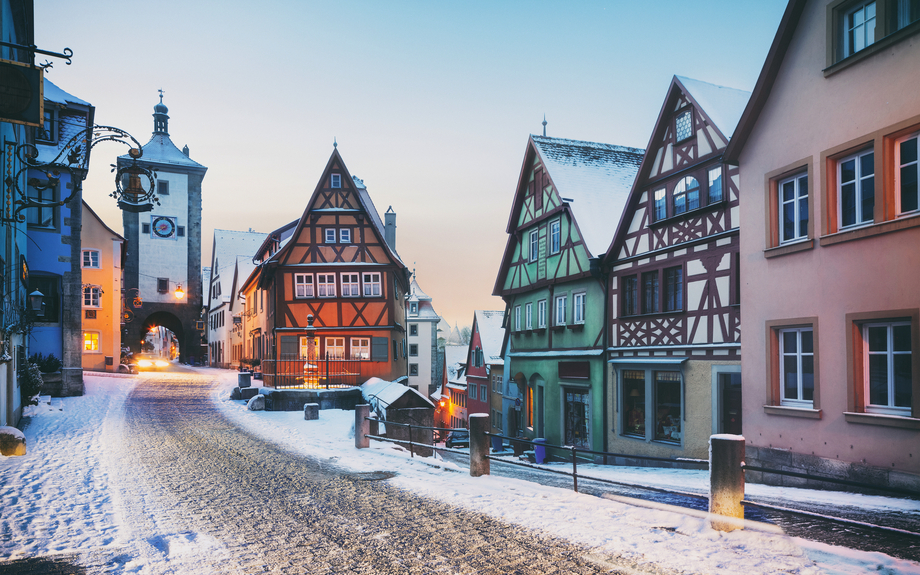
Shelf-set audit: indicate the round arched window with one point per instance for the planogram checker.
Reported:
(686, 195)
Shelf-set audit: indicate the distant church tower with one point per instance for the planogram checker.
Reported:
(164, 245)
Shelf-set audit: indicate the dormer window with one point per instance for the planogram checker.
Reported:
(683, 125)
(48, 130)
(336, 181)
(413, 308)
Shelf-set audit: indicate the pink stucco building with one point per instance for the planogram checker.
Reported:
(830, 245)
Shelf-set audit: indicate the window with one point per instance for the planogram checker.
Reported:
(858, 28)
(371, 284)
(528, 316)
(335, 347)
(360, 348)
(330, 235)
(541, 314)
(517, 318)
(683, 125)
(715, 185)
(91, 341)
(336, 181)
(797, 367)
(793, 208)
(477, 357)
(303, 285)
(887, 367)
(50, 287)
(673, 289)
(413, 369)
(650, 292)
(326, 285)
(413, 308)
(496, 383)
(906, 174)
(48, 130)
(554, 236)
(413, 350)
(667, 406)
(856, 189)
(578, 308)
(43, 217)
(350, 287)
(145, 228)
(162, 188)
(661, 204)
(345, 236)
(483, 392)
(630, 295)
(91, 296)
(634, 403)
(413, 329)
(91, 259)
(686, 195)
(534, 245)
(561, 304)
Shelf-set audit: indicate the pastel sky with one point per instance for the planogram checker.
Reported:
(431, 102)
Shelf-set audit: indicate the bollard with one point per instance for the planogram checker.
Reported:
(479, 444)
(362, 426)
(726, 482)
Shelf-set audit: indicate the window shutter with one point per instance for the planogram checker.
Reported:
(288, 347)
(379, 349)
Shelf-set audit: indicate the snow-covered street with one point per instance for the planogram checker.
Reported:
(78, 494)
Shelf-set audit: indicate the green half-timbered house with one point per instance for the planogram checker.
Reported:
(569, 196)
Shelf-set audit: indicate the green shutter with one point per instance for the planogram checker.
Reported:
(379, 349)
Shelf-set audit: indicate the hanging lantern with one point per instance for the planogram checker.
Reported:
(132, 194)
(179, 293)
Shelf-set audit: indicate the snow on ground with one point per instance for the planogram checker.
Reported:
(62, 497)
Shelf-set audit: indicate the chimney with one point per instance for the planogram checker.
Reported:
(389, 226)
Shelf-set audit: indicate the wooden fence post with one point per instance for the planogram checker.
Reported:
(479, 444)
(362, 426)
(726, 482)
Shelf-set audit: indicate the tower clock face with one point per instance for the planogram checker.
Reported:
(163, 227)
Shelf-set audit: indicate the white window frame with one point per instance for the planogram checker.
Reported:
(660, 204)
(715, 174)
(344, 235)
(325, 287)
(848, 48)
(351, 286)
(98, 259)
(890, 353)
(797, 199)
(361, 348)
(541, 314)
(683, 191)
(858, 183)
(93, 295)
(371, 284)
(534, 245)
(336, 181)
(900, 167)
(305, 347)
(798, 354)
(97, 348)
(330, 235)
(559, 308)
(555, 236)
(579, 309)
(335, 348)
(517, 318)
(528, 315)
(304, 281)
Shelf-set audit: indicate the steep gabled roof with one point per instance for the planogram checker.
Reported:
(765, 81)
(491, 333)
(102, 223)
(722, 105)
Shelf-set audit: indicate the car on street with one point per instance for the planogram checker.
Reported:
(149, 362)
(458, 438)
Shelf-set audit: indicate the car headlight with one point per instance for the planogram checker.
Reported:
(162, 363)
(144, 363)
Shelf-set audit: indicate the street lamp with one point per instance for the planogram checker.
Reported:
(179, 293)
(35, 301)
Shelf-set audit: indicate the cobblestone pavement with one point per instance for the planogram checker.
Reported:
(206, 484)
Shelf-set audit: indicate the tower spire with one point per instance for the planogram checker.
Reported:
(544, 125)
(160, 117)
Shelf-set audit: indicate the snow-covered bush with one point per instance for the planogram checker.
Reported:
(30, 378)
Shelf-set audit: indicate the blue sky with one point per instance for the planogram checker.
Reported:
(431, 103)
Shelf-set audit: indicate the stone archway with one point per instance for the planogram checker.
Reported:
(167, 320)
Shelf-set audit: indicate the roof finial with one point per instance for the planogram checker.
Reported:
(544, 125)
(161, 94)
(334, 143)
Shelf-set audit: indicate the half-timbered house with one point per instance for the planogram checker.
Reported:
(329, 300)
(568, 194)
(675, 324)
(484, 358)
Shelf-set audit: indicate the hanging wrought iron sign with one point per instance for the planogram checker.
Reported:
(135, 185)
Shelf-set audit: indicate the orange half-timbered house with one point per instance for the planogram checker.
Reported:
(337, 278)
(674, 319)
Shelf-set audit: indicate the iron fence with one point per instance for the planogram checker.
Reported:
(302, 372)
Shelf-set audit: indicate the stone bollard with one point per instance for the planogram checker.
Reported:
(726, 482)
(244, 379)
(310, 411)
(362, 426)
(12, 441)
(479, 444)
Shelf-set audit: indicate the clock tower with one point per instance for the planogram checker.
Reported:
(164, 246)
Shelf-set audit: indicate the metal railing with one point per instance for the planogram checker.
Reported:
(300, 372)
(438, 435)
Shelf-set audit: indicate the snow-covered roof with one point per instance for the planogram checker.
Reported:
(455, 358)
(724, 106)
(415, 292)
(594, 179)
(161, 150)
(228, 246)
(491, 334)
(54, 94)
(381, 394)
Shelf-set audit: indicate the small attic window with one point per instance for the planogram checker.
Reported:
(162, 188)
(336, 181)
(683, 125)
